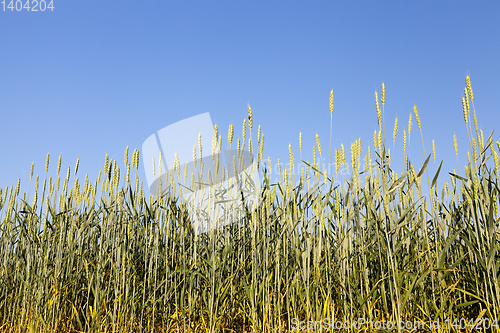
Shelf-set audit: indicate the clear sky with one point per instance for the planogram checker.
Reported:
(92, 77)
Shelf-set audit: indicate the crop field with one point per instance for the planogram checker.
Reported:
(380, 250)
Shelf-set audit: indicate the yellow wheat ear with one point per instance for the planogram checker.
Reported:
(337, 160)
(314, 156)
(331, 102)
(464, 108)
(433, 149)
(318, 143)
(106, 164)
(292, 160)
(455, 144)
(137, 160)
(231, 133)
(279, 167)
(469, 87)
(475, 120)
(261, 148)
(382, 99)
(409, 125)
(342, 152)
(395, 129)
(300, 141)
(177, 165)
(125, 157)
(467, 99)
(194, 156)
(416, 116)
(250, 118)
(59, 165)
(244, 129)
(379, 112)
(47, 163)
(215, 139)
(404, 140)
(77, 164)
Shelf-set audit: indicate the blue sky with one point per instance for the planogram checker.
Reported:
(92, 77)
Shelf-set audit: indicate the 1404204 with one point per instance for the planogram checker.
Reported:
(28, 5)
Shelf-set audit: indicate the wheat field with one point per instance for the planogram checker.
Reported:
(378, 246)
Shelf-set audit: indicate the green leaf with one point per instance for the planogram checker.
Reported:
(466, 304)
(397, 183)
(421, 172)
(457, 176)
(436, 175)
